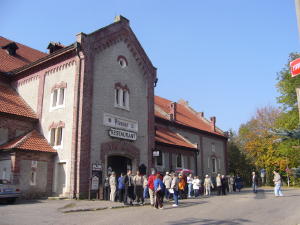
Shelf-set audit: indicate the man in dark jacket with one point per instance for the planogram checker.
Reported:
(224, 184)
(129, 188)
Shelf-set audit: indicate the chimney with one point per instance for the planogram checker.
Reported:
(173, 111)
(54, 46)
(213, 123)
(200, 114)
(121, 18)
(11, 48)
(183, 102)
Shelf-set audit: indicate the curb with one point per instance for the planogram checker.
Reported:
(102, 208)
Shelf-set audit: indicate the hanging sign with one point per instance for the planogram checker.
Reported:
(295, 67)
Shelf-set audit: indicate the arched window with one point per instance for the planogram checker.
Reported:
(121, 96)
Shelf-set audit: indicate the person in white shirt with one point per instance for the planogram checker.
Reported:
(167, 182)
(196, 185)
(113, 186)
(190, 185)
(207, 185)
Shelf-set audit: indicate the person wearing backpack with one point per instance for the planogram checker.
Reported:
(159, 189)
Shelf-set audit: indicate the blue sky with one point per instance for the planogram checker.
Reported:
(221, 56)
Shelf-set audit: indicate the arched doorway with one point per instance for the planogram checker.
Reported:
(118, 164)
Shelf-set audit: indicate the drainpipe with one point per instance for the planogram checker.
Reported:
(78, 49)
(196, 166)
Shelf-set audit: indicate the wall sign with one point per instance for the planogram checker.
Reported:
(120, 122)
(123, 134)
(96, 167)
(95, 183)
(155, 153)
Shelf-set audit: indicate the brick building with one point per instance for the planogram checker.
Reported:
(92, 103)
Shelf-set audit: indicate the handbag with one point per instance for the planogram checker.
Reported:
(171, 190)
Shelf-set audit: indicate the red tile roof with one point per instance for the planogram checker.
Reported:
(24, 55)
(12, 103)
(184, 115)
(33, 141)
(167, 136)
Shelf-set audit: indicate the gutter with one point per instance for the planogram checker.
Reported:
(78, 49)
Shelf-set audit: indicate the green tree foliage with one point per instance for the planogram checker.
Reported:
(238, 163)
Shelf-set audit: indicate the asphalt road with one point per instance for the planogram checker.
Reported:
(239, 208)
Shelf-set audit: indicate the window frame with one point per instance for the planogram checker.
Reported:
(121, 98)
(214, 165)
(58, 105)
(182, 160)
(55, 144)
(162, 159)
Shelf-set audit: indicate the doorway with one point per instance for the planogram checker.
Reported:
(118, 164)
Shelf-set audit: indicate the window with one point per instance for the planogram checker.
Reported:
(159, 159)
(179, 163)
(213, 147)
(214, 165)
(58, 98)
(122, 61)
(33, 177)
(56, 136)
(122, 98)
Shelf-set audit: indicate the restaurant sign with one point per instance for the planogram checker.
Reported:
(295, 67)
(123, 134)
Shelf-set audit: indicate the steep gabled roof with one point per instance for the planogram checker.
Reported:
(12, 103)
(166, 136)
(24, 55)
(33, 141)
(184, 116)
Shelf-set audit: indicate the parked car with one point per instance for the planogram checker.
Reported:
(8, 192)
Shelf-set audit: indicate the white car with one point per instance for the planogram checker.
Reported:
(8, 192)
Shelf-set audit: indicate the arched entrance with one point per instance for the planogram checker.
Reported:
(118, 164)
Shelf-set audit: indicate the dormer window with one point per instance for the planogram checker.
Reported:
(11, 48)
(121, 96)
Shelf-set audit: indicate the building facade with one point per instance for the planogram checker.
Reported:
(93, 101)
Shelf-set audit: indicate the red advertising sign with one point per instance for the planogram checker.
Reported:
(295, 67)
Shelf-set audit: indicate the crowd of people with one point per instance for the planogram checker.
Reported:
(129, 188)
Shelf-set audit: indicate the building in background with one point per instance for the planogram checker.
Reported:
(91, 105)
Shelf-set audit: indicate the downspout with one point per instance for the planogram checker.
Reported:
(78, 49)
(196, 166)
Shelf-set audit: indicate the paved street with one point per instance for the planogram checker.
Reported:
(239, 208)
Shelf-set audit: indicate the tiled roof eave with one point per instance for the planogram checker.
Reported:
(6, 114)
(177, 146)
(189, 127)
(44, 59)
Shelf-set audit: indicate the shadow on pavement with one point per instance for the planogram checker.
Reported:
(260, 194)
(209, 221)
(21, 202)
(188, 204)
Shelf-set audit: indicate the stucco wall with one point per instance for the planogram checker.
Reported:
(64, 72)
(28, 88)
(218, 154)
(107, 72)
(39, 188)
(3, 135)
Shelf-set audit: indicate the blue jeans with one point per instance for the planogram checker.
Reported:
(167, 193)
(190, 189)
(254, 187)
(277, 190)
(146, 193)
(175, 196)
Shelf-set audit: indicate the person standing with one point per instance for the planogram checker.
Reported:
(181, 186)
(113, 186)
(238, 183)
(208, 185)
(121, 188)
(190, 185)
(196, 186)
(128, 181)
(167, 182)
(106, 188)
(219, 184)
(224, 184)
(145, 186)
(254, 182)
(230, 183)
(151, 180)
(159, 189)
(175, 189)
(277, 183)
(138, 182)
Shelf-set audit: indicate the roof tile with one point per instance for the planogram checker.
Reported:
(33, 141)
